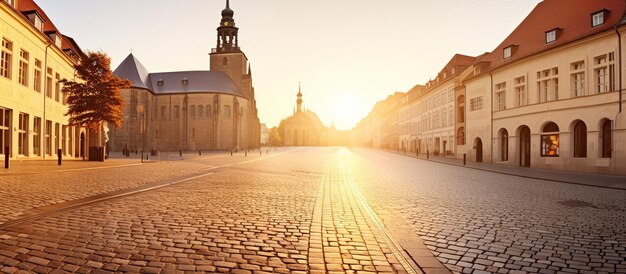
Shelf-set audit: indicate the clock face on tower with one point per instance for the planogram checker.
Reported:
(226, 24)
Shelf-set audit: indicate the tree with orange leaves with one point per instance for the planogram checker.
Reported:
(96, 97)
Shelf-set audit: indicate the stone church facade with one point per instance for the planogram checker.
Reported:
(191, 110)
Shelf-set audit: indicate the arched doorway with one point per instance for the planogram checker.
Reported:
(524, 146)
(295, 138)
(478, 146)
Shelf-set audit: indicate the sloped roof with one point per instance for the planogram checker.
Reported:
(134, 71)
(173, 82)
(24, 7)
(571, 17)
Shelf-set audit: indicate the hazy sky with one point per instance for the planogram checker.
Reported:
(348, 54)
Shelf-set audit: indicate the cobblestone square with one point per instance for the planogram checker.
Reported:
(304, 210)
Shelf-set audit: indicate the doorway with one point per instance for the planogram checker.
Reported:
(478, 145)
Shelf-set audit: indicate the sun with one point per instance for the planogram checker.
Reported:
(346, 110)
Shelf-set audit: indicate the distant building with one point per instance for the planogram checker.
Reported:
(549, 96)
(265, 134)
(35, 57)
(191, 110)
(304, 128)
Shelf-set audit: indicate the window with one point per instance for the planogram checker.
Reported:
(200, 112)
(500, 96)
(580, 140)
(550, 36)
(37, 76)
(163, 113)
(461, 136)
(521, 97)
(603, 71)
(476, 103)
(578, 78)
(56, 137)
(225, 61)
(57, 87)
(226, 110)
(597, 18)
(6, 58)
(5, 128)
(192, 111)
(48, 144)
(504, 145)
(64, 139)
(176, 112)
(10, 2)
(36, 20)
(550, 141)
(22, 135)
(607, 139)
(49, 83)
(548, 85)
(37, 136)
(507, 52)
(23, 68)
(209, 110)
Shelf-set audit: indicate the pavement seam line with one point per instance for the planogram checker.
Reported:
(393, 245)
(78, 205)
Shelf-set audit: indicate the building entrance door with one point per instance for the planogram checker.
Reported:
(479, 150)
(437, 146)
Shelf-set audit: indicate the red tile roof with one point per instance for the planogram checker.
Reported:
(571, 17)
(24, 6)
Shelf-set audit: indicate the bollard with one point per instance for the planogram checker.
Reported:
(464, 159)
(59, 156)
(200, 152)
(181, 153)
(101, 154)
(142, 156)
(268, 151)
(427, 154)
(231, 152)
(246, 152)
(260, 152)
(6, 157)
(148, 157)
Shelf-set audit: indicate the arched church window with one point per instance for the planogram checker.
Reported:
(225, 61)
(200, 111)
(209, 110)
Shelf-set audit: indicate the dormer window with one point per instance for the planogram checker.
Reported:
(55, 37)
(35, 19)
(551, 36)
(185, 81)
(10, 2)
(507, 52)
(160, 82)
(597, 19)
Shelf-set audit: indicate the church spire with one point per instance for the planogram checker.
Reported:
(299, 101)
(227, 39)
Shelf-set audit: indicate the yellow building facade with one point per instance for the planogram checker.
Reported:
(35, 57)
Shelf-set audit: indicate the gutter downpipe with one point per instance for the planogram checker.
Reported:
(44, 72)
(613, 131)
(491, 113)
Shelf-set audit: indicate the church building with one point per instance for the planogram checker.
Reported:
(191, 110)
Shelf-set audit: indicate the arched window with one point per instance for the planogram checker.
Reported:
(192, 111)
(580, 140)
(607, 139)
(461, 109)
(176, 112)
(225, 61)
(550, 141)
(504, 145)
(461, 136)
(209, 110)
(200, 111)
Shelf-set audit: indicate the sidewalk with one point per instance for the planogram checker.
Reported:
(587, 179)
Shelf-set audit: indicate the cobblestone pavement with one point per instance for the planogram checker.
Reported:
(294, 212)
(481, 222)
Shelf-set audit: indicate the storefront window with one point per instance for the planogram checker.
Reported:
(550, 145)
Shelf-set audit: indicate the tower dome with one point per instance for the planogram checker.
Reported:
(227, 12)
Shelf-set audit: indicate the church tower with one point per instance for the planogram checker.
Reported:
(299, 101)
(227, 57)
